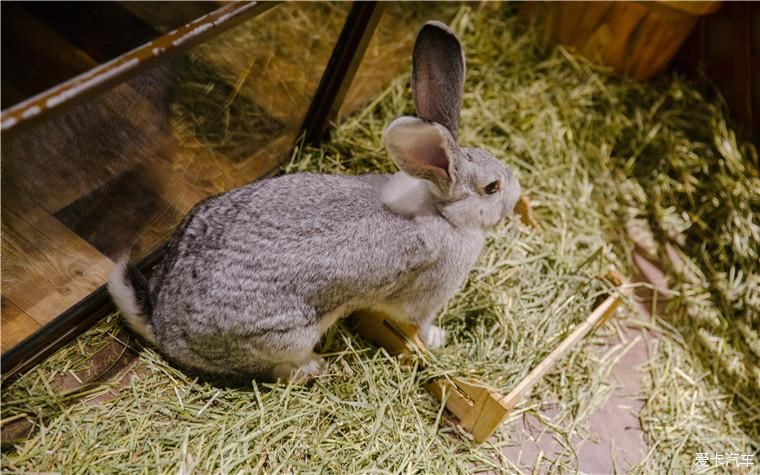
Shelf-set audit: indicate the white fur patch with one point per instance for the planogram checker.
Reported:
(124, 296)
(407, 196)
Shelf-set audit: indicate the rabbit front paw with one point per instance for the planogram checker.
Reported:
(433, 336)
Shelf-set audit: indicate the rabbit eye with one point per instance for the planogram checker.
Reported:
(492, 187)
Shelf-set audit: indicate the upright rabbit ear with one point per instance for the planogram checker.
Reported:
(438, 69)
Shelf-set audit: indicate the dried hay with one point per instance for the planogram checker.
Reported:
(592, 152)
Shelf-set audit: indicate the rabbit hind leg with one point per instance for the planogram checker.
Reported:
(293, 357)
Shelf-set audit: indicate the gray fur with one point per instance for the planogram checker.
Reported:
(255, 276)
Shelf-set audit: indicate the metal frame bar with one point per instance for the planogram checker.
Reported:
(341, 69)
(336, 79)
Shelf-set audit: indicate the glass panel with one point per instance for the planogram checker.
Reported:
(120, 171)
(389, 53)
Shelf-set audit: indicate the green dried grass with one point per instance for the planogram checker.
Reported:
(570, 132)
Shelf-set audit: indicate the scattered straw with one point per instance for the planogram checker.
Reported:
(584, 146)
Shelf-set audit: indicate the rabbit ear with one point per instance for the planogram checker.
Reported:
(423, 150)
(438, 69)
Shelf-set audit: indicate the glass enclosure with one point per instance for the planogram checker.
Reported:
(118, 172)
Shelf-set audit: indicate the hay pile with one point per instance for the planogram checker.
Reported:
(591, 152)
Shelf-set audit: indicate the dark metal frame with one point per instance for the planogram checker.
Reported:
(341, 69)
(336, 79)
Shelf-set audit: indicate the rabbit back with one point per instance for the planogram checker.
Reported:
(267, 268)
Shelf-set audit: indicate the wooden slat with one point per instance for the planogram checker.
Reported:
(102, 29)
(16, 325)
(635, 38)
(34, 57)
(46, 268)
(166, 16)
(46, 44)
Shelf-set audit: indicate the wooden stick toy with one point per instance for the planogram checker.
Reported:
(479, 409)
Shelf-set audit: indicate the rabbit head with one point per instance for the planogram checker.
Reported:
(468, 186)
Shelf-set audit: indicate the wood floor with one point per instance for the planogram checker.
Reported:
(119, 173)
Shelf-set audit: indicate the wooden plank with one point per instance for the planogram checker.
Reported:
(46, 268)
(104, 30)
(36, 56)
(16, 325)
(70, 324)
(166, 16)
(635, 38)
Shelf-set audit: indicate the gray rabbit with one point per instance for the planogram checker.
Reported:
(254, 277)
